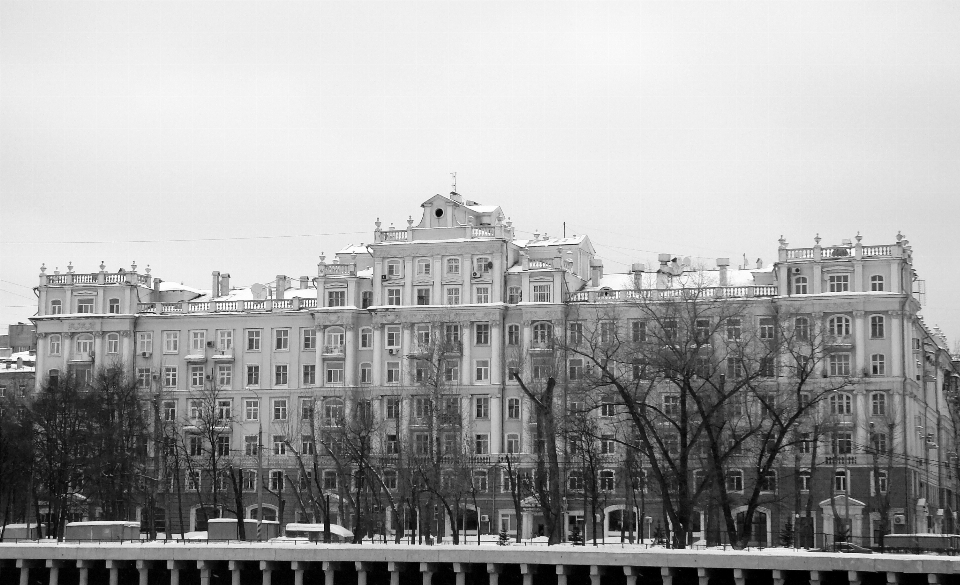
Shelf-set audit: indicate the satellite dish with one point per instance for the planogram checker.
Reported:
(258, 291)
(686, 261)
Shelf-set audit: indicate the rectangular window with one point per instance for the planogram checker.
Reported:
(145, 342)
(453, 266)
(196, 376)
(114, 306)
(513, 408)
(253, 339)
(878, 365)
(575, 333)
(734, 367)
(453, 295)
(638, 330)
(481, 444)
(224, 375)
(336, 298)
(307, 446)
(251, 409)
(143, 377)
(393, 268)
(279, 445)
(767, 328)
(393, 372)
(253, 375)
(838, 282)
(482, 333)
(170, 376)
(309, 374)
(392, 408)
(451, 333)
(671, 405)
(482, 370)
(393, 297)
(334, 373)
(171, 341)
(250, 444)
(281, 338)
(169, 410)
(421, 443)
(608, 446)
(279, 409)
(575, 369)
(876, 326)
(85, 305)
(309, 339)
(542, 293)
(482, 294)
(306, 409)
(424, 266)
(280, 375)
(734, 329)
(366, 374)
(392, 336)
(482, 407)
(513, 295)
(56, 307)
(842, 443)
(224, 410)
(224, 340)
(423, 296)
(839, 364)
(196, 408)
(198, 341)
(513, 443)
(608, 332)
(54, 345)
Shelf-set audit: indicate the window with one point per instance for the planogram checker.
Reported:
(224, 375)
(704, 366)
(54, 345)
(393, 297)
(279, 445)
(734, 367)
(333, 412)
(223, 445)
(483, 265)
(169, 376)
(390, 479)
(805, 480)
(453, 266)
(393, 268)
(451, 333)
(84, 344)
(423, 296)
(196, 376)
(482, 333)
(480, 480)
(421, 443)
(842, 443)
(514, 295)
(249, 479)
(56, 307)
(451, 371)
(876, 283)
(393, 372)
(145, 342)
(453, 295)
(366, 373)
(608, 445)
(366, 338)
(575, 481)
(169, 410)
(171, 341)
(767, 328)
(513, 443)
(279, 409)
(392, 445)
(143, 377)
(481, 444)
(193, 480)
(768, 482)
(638, 331)
(608, 331)
(309, 374)
(702, 330)
(841, 403)
(334, 373)
(280, 375)
(366, 299)
(800, 285)
(306, 409)
(251, 409)
(879, 442)
(878, 404)
(424, 267)
(114, 306)
(881, 475)
(734, 480)
(839, 364)
(607, 480)
(85, 305)
(575, 369)
(309, 338)
(253, 340)
(513, 408)
(542, 293)
(669, 330)
(392, 408)
(878, 365)
(838, 282)
(840, 480)
(801, 327)
(329, 480)
(281, 340)
(542, 333)
(876, 326)
(253, 375)
(196, 408)
(734, 329)
(336, 298)
(767, 367)
(392, 337)
(198, 341)
(671, 405)
(482, 370)
(224, 340)
(513, 334)
(482, 294)
(482, 407)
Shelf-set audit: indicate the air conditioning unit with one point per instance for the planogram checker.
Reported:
(383, 277)
(796, 270)
(899, 519)
(476, 275)
(145, 354)
(392, 351)
(209, 344)
(208, 377)
(484, 518)
(489, 265)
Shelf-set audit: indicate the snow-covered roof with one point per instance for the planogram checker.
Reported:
(481, 208)
(569, 241)
(360, 248)
(167, 286)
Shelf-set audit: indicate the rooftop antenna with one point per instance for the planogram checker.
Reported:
(454, 175)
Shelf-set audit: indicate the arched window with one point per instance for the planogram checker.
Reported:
(838, 325)
(84, 344)
(54, 345)
(269, 512)
(878, 404)
(366, 338)
(56, 307)
(841, 403)
(542, 332)
(575, 481)
(876, 283)
(113, 343)
(876, 327)
(800, 285)
(333, 340)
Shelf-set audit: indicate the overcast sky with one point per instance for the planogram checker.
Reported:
(247, 137)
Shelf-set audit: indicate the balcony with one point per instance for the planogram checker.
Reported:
(541, 345)
(333, 350)
(838, 340)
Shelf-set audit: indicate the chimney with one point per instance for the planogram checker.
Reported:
(304, 282)
(281, 286)
(637, 267)
(156, 285)
(19, 363)
(759, 263)
(596, 271)
(224, 284)
(722, 264)
(215, 288)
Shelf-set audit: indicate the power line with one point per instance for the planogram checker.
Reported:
(158, 241)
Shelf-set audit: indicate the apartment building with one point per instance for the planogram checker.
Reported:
(459, 276)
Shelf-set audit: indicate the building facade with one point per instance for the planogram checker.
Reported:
(315, 347)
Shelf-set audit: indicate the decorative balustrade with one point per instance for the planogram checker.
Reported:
(799, 253)
(337, 269)
(254, 305)
(84, 279)
(333, 350)
(198, 307)
(393, 235)
(170, 308)
(877, 251)
(672, 293)
(57, 279)
(483, 232)
(838, 252)
(283, 304)
(540, 264)
(71, 278)
(115, 278)
(227, 306)
(308, 303)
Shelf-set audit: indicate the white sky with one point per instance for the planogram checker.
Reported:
(248, 137)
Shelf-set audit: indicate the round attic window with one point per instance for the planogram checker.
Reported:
(438, 212)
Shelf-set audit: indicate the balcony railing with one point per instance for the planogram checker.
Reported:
(295, 304)
(634, 295)
(333, 350)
